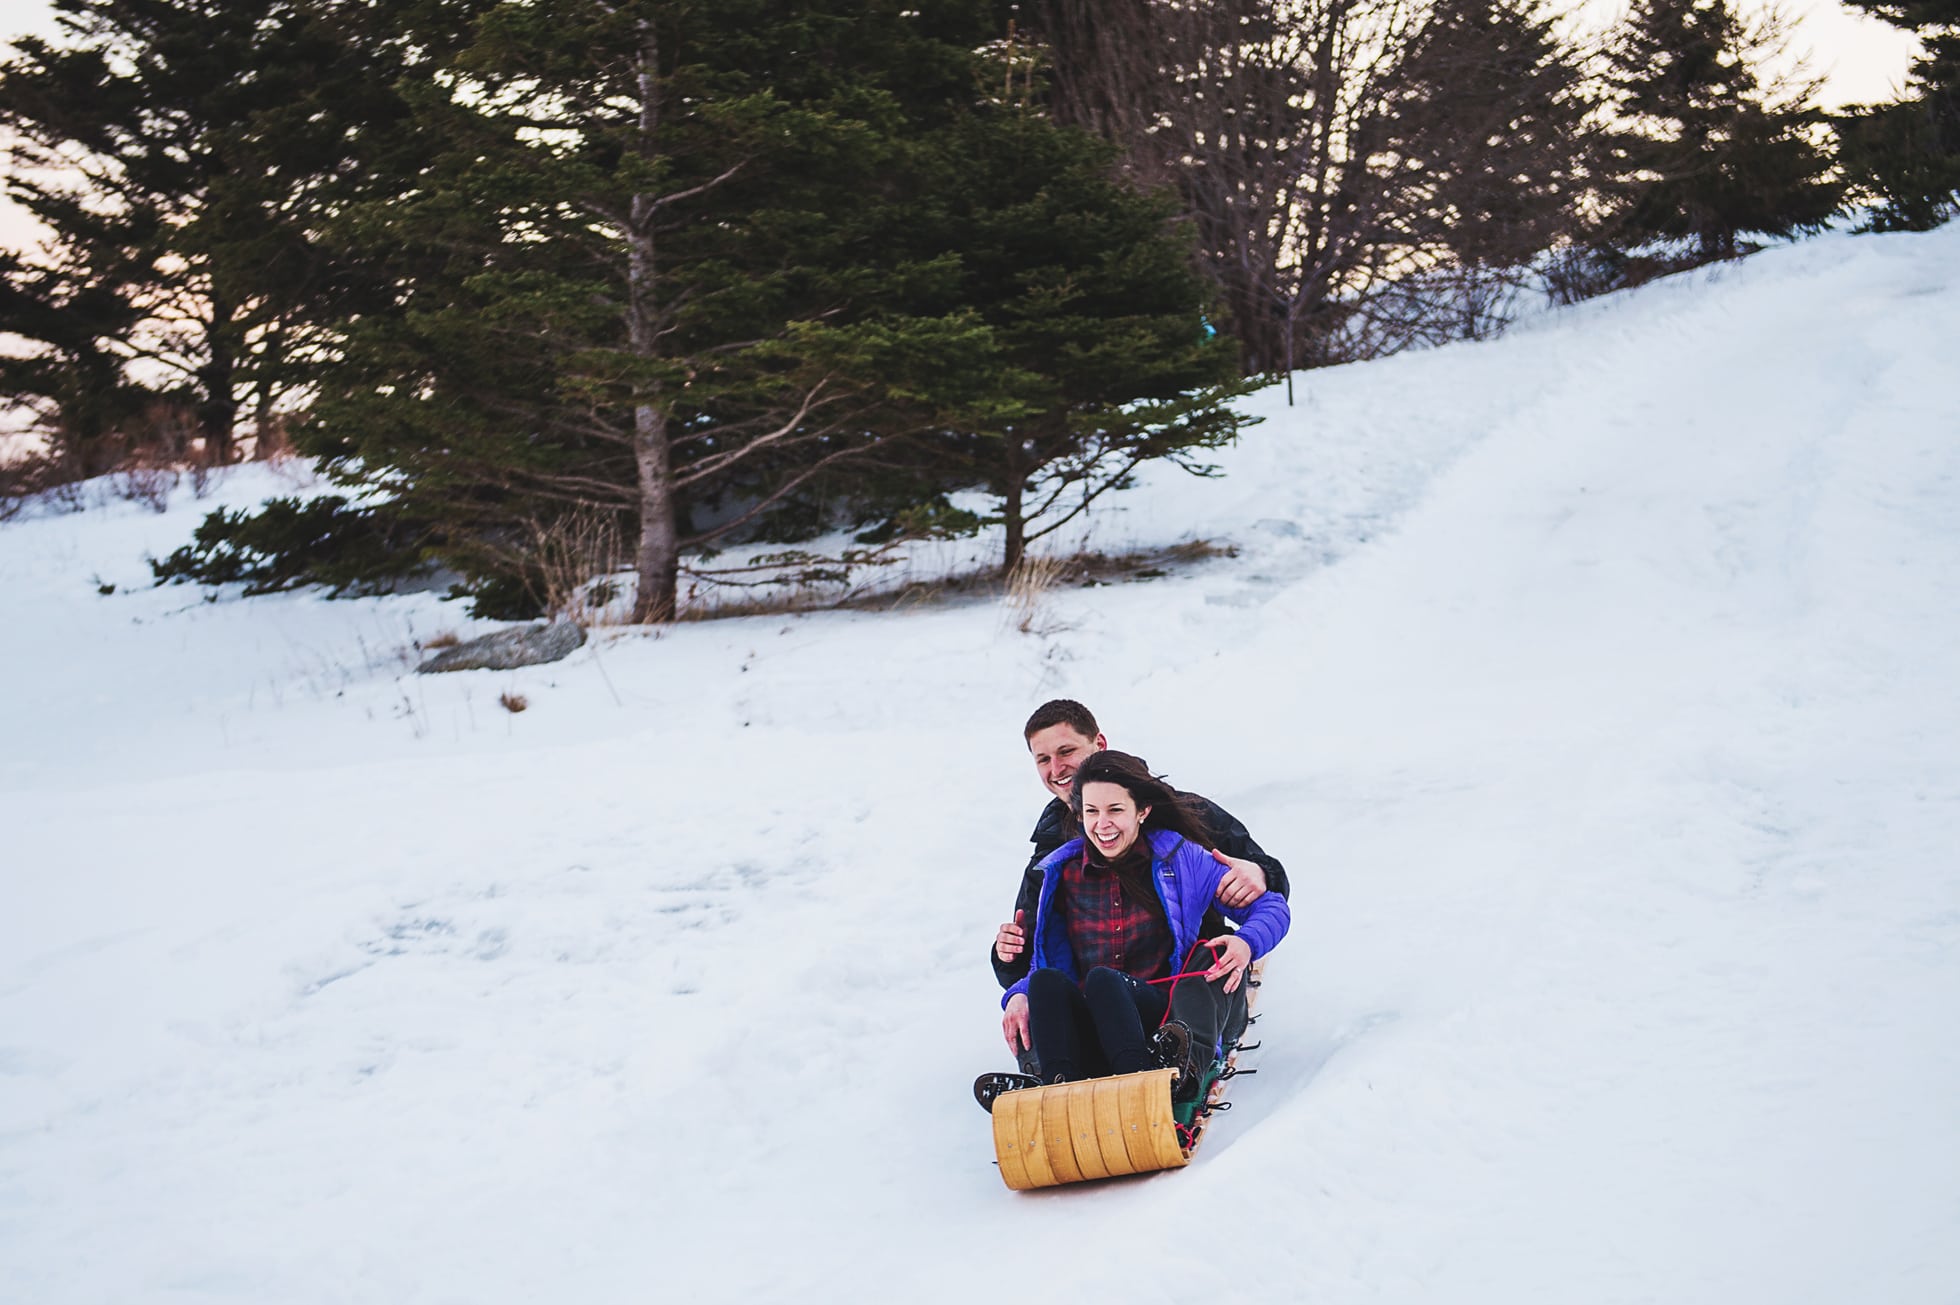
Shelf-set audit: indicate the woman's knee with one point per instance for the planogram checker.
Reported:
(1103, 979)
(1045, 985)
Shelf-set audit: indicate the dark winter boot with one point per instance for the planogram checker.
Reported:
(989, 1086)
(1172, 1047)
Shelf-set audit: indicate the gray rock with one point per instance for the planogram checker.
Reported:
(507, 650)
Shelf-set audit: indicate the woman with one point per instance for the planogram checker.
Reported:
(1128, 971)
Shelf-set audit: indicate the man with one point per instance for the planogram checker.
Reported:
(1060, 735)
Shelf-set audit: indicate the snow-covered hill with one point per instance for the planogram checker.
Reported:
(1599, 686)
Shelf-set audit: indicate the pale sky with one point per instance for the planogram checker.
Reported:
(1862, 59)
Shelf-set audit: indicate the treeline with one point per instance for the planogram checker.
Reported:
(562, 289)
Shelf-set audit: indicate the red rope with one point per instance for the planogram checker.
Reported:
(1173, 978)
(1171, 997)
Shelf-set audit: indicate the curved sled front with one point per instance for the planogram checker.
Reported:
(1098, 1128)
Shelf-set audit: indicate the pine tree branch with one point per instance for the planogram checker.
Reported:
(711, 465)
(675, 197)
(1088, 498)
(790, 486)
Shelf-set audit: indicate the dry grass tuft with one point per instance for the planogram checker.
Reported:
(575, 557)
(693, 610)
(443, 639)
(512, 702)
(1199, 550)
(1027, 585)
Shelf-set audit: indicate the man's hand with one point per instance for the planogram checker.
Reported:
(1014, 1021)
(1234, 954)
(1011, 941)
(1244, 881)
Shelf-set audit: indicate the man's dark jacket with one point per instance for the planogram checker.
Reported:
(1057, 826)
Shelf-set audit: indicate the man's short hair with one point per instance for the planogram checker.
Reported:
(1061, 711)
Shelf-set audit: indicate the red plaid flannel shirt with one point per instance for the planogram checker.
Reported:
(1106, 927)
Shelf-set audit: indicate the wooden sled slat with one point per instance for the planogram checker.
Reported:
(1109, 1127)
(1027, 1130)
(1056, 1138)
(1008, 1146)
(1134, 1090)
(1072, 1132)
(1081, 1101)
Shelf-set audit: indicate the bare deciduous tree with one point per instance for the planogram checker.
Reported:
(1327, 147)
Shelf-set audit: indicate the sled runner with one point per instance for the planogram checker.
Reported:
(1104, 1127)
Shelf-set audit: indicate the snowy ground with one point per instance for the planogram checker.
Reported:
(1598, 686)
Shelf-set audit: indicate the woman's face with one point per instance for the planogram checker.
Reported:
(1111, 818)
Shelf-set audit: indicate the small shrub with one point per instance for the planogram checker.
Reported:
(67, 495)
(1578, 273)
(147, 485)
(39, 476)
(323, 541)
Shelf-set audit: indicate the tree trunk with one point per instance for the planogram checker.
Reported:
(659, 559)
(1011, 506)
(217, 414)
(271, 359)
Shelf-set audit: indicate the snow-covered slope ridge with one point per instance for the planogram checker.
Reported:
(1599, 686)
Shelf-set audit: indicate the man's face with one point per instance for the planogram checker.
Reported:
(1057, 751)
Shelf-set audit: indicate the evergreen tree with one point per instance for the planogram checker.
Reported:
(688, 268)
(666, 276)
(77, 382)
(1494, 112)
(1094, 307)
(167, 145)
(1905, 156)
(1706, 157)
(333, 126)
(114, 151)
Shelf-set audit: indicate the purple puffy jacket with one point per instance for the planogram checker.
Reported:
(1187, 878)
